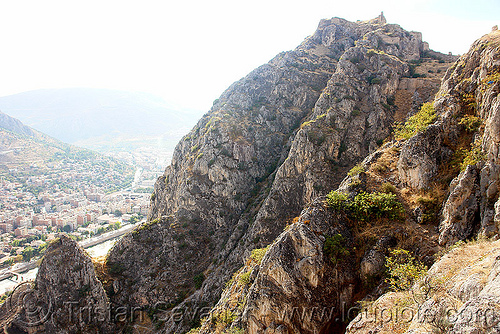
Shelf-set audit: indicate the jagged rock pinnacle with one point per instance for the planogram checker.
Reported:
(378, 20)
(381, 18)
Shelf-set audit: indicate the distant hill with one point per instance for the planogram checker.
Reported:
(14, 125)
(21, 145)
(99, 118)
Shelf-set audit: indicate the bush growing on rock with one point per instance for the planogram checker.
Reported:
(334, 248)
(471, 123)
(472, 156)
(356, 170)
(366, 206)
(416, 123)
(258, 253)
(337, 200)
(403, 269)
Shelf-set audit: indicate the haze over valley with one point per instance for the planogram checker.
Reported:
(127, 125)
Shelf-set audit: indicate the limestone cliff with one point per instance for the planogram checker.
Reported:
(460, 292)
(273, 142)
(448, 166)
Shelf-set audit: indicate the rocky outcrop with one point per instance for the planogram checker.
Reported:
(299, 288)
(464, 134)
(372, 264)
(66, 296)
(420, 158)
(272, 143)
(460, 292)
(461, 208)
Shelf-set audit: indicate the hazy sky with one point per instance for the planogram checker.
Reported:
(188, 52)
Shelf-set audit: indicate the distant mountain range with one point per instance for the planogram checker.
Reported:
(100, 119)
(21, 145)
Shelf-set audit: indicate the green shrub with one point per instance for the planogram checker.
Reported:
(245, 278)
(468, 102)
(356, 170)
(403, 269)
(307, 123)
(334, 248)
(416, 123)
(258, 253)
(336, 200)
(355, 183)
(471, 123)
(223, 318)
(472, 156)
(198, 280)
(367, 206)
(388, 187)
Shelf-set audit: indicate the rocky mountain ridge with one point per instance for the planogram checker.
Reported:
(244, 196)
(343, 95)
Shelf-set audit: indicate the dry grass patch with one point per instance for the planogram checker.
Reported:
(463, 255)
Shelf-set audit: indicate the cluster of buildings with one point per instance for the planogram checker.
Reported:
(36, 202)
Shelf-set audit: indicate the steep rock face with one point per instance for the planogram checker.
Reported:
(468, 107)
(222, 166)
(421, 156)
(271, 143)
(351, 119)
(149, 250)
(66, 296)
(461, 207)
(297, 287)
(348, 121)
(297, 276)
(460, 292)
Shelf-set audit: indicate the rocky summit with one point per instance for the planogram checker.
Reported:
(316, 192)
